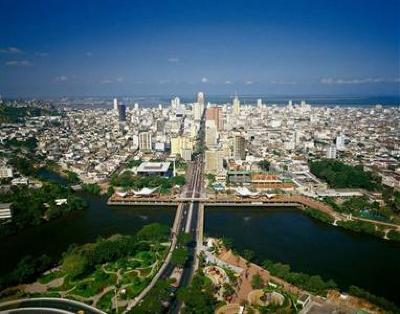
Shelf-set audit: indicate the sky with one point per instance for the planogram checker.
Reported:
(222, 47)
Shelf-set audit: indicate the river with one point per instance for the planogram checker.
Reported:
(282, 235)
(287, 235)
(55, 237)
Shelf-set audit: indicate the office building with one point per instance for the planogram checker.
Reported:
(121, 113)
(239, 148)
(215, 114)
(331, 152)
(115, 103)
(236, 105)
(213, 161)
(211, 134)
(145, 139)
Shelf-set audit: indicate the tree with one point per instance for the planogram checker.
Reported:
(179, 257)
(248, 255)
(184, 238)
(257, 282)
(264, 165)
(74, 264)
(154, 232)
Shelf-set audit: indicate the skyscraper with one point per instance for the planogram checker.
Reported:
(145, 141)
(215, 114)
(236, 106)
(213, 161)
(115, 102)
(198, 107)
(331, 152)
(239, 148)
(200, 99)
(121, 113)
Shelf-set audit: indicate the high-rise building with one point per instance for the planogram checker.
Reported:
(121, 113)
(200, 99)
(145, 139)
(215, 114)
(198, 107)
(236, 105)
(331, 152)
(259, 103)
(239, 148)
(115, 102)
(211, 134)
(175, 103)
(340, 145)
(213, 161)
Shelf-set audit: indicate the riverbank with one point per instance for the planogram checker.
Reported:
(277, 278)
(105, 274)
(291, 237)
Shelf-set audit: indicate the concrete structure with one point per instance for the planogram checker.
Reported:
(239, 148)
(154, 168)
(213, 161)
(236, 106)
(215, 114)
(145, 141)
(5, 211)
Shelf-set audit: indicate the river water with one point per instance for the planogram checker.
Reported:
(54, 238)
(282, 235)
(288, 236)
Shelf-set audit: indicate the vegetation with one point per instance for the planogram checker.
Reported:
(394, 235)
(72, 177)
(341, 175)
(23, 166)
(264, 165)
(199, 296)
(257, 282)
(9, 114)
(34, 206)
(308, 282)
(88, 269)
(319, 215)
(179, 256)
(153, 301)
(29, 144)
(92, 188)
(26, 270)
(134, 163)
(128, 180)
(153, 232)
(361, 226)
(382, 302)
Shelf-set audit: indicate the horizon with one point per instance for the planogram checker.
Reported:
(334, 48)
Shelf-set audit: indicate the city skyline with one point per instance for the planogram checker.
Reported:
(176, 48)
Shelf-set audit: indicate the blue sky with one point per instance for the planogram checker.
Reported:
(77, 48)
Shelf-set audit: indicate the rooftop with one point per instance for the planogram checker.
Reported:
(149, 166)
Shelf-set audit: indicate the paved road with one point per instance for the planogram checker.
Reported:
(47, 305)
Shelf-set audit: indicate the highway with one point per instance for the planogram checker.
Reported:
(47, 305)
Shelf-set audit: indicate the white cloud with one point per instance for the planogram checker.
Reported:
(10, 50)
(23, 63)
(173, 60)
(41, 54)
(61, 78)
(228, 82)
(249, 82)
(369, 80)
(112, 81)
(283, 82)
(204, 80)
